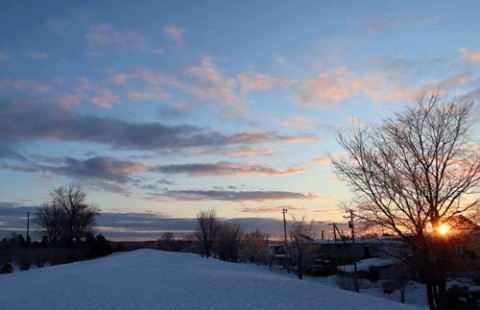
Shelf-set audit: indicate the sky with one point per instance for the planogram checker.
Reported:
(162, 109)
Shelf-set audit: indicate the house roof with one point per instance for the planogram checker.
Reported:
(462, 224)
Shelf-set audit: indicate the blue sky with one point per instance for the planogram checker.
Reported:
(172, 107)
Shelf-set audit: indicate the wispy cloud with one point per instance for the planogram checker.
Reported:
(336, 85)
(175, 33)
(102, 168)
(7, 150)
(326, 88)
(46, 121)
(88, 92)
(120, 78)
(321, 160)
(9, 85)
(155, 88)
(133, 225)
(264, 136)
(299, 121)
(210, 84)
(104, 98)
(270, 209)
(261, 82)
(96, 168)
(199, 195)
(245, 152)
(471, 56)
(103, 38)
(60, 27)
(226, 169)
(378, 25)
(36, 55)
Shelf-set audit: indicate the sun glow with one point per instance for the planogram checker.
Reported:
(443, 229)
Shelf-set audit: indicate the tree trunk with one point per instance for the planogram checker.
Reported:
(437, 295)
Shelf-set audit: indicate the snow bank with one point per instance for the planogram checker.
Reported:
(149, 279)
(367, 264)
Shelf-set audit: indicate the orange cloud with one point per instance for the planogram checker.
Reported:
(74, 98)
(175, 33)
(339, 84)
(133, 167)
(104, 98)
(120, 79)
(270, 209)
(105, 38)
(326, 88)
(250, 152)
(155, 88)
(298, 121)
(23, 86)
(321, 160)
(261, 82)
(226, 169)
(210, 84)
(406, 94)
(471, 56)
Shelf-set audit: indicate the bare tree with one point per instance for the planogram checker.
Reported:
(67, 216)
(255, 247)
(207, 229)
(49, 218)
(229, 238)
(412, 173)
(302, 235)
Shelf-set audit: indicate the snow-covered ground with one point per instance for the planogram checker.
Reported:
(150, 279)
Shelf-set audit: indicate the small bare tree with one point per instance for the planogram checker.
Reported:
(207, 229)
(412, 173)
(228, 243)
(255, 247)
(167, 242)
(302, 236)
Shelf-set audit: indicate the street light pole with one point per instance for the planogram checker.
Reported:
(28, 229)
(28, 225)
(352, 227)
(284, 211)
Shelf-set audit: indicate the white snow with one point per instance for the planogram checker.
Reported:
(366, 264)
(150, 279)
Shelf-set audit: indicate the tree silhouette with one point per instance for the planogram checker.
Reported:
(207, 229)
(412, 173)
(67, 217)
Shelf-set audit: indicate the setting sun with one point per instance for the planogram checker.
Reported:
(443, 229)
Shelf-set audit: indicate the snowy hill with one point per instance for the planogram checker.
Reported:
(150, 279)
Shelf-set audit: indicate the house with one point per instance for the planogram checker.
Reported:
(465, 235)
(375, 257)
(375, 269)
(345, 251)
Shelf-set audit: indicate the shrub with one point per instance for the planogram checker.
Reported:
(23, 259)
(6, 267)
(461, 298)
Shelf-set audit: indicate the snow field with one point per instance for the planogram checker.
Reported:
(151, 279)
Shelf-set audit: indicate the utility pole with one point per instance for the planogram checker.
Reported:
(284, 211)
(352, 227)
(28, 224)
(334, 232)
(28, 229)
